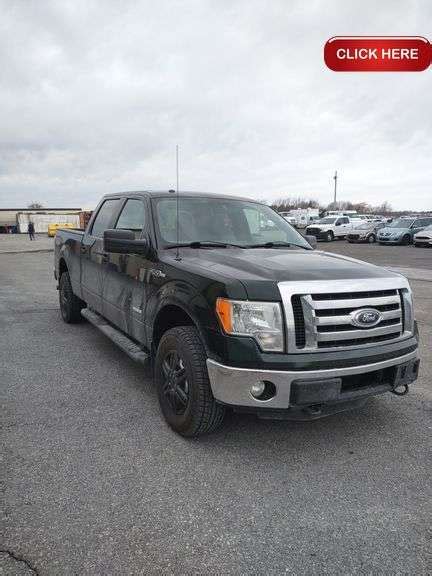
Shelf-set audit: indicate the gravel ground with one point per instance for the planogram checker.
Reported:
(96, 483)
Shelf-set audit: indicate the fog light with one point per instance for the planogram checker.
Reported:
(257, 389)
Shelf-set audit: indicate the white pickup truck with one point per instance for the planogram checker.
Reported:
(332, 227)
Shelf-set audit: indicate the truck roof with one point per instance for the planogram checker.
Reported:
(183, 193)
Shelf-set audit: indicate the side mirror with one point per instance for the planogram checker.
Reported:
(124, 242)
(312, 240)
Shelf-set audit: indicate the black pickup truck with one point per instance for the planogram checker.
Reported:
(234, 308)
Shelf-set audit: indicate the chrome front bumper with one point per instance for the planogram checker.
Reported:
(232, 385)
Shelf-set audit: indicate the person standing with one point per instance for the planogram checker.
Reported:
(31, 230)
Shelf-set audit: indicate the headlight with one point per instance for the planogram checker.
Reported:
(261, 320)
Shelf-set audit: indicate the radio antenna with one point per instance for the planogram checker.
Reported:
(177, 256)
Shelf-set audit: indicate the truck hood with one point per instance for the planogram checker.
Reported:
(272, 265)
(320, 226)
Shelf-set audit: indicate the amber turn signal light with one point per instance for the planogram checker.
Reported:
(224, 313)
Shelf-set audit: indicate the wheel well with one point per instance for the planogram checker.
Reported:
(169, 317)
(62, 267)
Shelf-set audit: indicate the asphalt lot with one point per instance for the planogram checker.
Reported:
(17, 243)
(96, 483)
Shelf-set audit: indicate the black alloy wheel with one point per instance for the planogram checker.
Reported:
(184, 391)
(371, 239)
(176, 386)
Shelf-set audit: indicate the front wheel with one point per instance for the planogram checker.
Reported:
(329, 236)
(183, 385)
(371, 239)
(406, 240)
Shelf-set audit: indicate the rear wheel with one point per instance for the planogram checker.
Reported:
(183, 385)
(70, 305)
(329, 236)
(371, 239)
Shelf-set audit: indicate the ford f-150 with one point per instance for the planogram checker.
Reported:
(232, 312)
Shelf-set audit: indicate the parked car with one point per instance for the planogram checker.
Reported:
(231, 314)
(291, 219)
(402, 230)
(365, 232)
(424, 237)
(331, 227)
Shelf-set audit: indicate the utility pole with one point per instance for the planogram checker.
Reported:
(335, 187)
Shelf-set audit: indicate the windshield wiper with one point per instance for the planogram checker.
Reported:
(204, 244)
(275, 244)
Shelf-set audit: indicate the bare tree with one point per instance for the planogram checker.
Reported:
(288, 203)
(35, 206)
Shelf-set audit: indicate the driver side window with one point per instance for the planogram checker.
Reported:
(132, 217)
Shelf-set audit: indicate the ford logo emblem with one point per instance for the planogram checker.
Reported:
(366, 317)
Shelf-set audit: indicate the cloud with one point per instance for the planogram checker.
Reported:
(95, 95)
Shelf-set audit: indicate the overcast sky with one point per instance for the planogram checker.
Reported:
(94, 97)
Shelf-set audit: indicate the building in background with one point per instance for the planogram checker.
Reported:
(16, 220)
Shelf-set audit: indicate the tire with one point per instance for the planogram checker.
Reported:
(183, 385)
(70, 305)
(371, 239)
(406, 240)
(329, 236)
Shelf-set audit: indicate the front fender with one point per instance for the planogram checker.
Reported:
(186, 297)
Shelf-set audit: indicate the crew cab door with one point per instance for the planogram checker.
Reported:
(342, 226)
(126, 276)
(93, 258)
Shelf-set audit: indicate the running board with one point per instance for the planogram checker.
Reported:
(120, 339)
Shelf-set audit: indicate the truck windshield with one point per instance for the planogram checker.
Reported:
(221, 220)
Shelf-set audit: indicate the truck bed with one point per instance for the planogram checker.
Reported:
(67, 249)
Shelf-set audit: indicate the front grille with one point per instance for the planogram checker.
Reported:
(298, 321)
(326, 319)
(353, 236)
(321, 314)
(350, 327)
(358, 341)
(313, 230)
(346, 295)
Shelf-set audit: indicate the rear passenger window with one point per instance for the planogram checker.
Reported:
(132, 216)
(104, 217)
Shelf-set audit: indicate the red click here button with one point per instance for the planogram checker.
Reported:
(378, 53)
